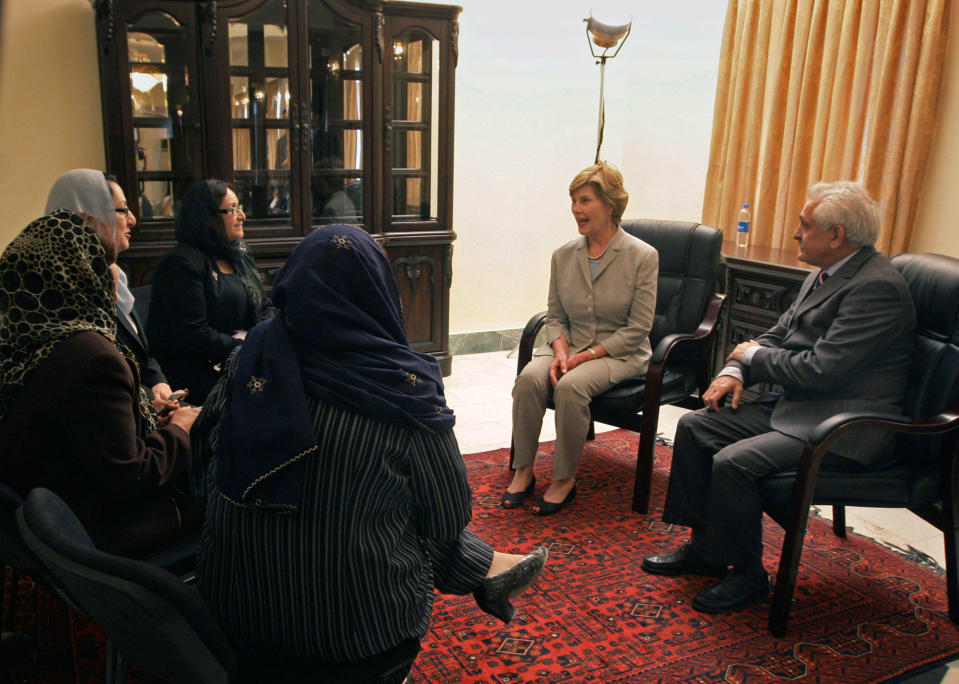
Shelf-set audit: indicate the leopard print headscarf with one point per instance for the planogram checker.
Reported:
(54, 282)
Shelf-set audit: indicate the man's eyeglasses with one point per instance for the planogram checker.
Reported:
(233, 211)
(122, 210)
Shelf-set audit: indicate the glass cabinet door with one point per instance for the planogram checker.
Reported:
(163, 114)
(260, 111)
(415, 126)
(335, 109)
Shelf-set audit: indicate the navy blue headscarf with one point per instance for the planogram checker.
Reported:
(339, 337)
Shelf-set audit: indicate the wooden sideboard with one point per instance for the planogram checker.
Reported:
(760, 283)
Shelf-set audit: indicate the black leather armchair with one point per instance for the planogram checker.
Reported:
(925, 475)
(687, 312)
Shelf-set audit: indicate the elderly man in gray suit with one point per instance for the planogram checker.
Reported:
(845, 344)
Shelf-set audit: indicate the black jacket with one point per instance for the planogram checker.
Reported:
(194, 311)
(136, 341)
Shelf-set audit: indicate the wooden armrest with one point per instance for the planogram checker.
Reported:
(833, 427)
(525, 353)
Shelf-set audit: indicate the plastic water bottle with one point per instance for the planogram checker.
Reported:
(742, 228)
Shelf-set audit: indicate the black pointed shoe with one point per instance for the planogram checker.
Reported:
(683, 561)
(494, 594)
(740, 588)
(516, 499)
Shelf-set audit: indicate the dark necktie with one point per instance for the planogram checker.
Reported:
(819, 281)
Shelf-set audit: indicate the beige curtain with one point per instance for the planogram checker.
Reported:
(812, 90)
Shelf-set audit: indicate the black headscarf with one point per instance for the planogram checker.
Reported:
(199, 224)
(54, 282)
(339, 337)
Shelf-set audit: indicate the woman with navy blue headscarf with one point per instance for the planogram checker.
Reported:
(338, 496)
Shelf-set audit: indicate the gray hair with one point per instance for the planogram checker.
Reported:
(846, 204)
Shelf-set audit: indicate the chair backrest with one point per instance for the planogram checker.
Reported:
(933, 280)
(141, 301)
(689, 255)
(157, 622)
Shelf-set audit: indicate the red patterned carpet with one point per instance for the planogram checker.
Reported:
(862, 612)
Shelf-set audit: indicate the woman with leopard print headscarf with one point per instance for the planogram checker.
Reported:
(72, 415)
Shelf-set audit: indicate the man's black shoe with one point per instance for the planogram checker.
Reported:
(683, 561)
(740, 588)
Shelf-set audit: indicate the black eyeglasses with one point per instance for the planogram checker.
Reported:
(122, 210)
(233, 211)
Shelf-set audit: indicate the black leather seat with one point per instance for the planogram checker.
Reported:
(925, 475)
(687, 311)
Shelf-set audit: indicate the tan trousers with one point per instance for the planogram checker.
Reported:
(571, 397)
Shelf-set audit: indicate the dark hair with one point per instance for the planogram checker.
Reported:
(110, 178)
(199, 222)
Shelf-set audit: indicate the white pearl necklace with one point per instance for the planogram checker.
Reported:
(600, 255)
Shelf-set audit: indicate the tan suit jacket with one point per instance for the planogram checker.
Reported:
(615, 310)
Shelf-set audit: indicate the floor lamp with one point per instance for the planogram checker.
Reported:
(606, 37)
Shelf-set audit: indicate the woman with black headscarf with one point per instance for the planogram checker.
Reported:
(73, 417)
(338, 497)
(206, 292)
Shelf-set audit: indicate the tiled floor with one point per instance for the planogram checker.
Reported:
(478, 390)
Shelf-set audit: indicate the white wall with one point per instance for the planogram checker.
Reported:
(527, 102)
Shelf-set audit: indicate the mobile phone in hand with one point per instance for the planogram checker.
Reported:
(176, 396)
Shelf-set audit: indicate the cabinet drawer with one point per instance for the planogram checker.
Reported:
(741, 330)
(767, 299)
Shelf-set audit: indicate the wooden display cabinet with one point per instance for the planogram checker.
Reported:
(317, 111)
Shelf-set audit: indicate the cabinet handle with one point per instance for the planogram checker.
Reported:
(299, 129)
(305, 125)
(295, 126)
(388, 130)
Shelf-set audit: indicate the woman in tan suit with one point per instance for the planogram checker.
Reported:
(602, 297)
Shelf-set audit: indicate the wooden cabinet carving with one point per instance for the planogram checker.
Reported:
(317, 111)
(761, 284)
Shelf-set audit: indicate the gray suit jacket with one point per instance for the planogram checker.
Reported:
(616, 309)
(845, 347)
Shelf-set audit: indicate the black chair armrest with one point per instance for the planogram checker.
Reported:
(702, 335)
(525, 353)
